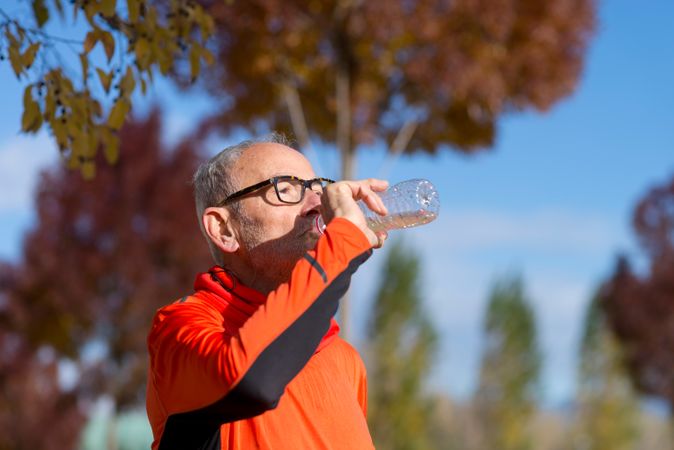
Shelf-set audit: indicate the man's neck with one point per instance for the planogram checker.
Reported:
(259, 284)
(252, 278)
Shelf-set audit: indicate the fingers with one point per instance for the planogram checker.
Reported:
(340, 200)
(373, 201)
(377, 184)
(381, 238)
(365, 190)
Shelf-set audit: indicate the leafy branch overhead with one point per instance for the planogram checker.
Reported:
(85, 109)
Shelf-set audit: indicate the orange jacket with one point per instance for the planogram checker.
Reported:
(233, 369)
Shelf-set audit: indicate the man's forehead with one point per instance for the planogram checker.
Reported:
(265, 160)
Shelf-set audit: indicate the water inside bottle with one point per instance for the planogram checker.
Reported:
(400, 220)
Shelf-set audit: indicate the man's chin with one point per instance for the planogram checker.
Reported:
(312, 238)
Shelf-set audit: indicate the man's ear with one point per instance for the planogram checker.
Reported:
(218, 226)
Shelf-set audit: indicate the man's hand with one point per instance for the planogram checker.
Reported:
(339, 200)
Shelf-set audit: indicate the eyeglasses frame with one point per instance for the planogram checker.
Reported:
(273, 181)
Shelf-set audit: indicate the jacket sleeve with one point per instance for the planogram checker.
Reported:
(199, 369)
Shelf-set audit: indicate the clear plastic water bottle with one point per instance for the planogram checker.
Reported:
(409, 203)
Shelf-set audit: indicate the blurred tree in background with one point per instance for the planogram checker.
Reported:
(35, 413)
(507, 395)
(417, 76)
(451, 68)
(400, 354)
(639, 308)
(103, 256)
(608, 408)
(347, 72)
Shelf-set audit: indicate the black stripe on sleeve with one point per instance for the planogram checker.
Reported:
(316, 265)
(261, 387)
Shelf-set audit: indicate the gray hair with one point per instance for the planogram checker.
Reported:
(215, 180)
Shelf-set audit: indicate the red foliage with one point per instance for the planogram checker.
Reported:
(34, 411)
(103, 256)
(454, 65)
(641, 309)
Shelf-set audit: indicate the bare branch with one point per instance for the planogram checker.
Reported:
(299, 123)
(398, 146)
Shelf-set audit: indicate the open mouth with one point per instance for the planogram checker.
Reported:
(311, 223)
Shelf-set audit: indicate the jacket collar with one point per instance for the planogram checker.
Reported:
(242, 301)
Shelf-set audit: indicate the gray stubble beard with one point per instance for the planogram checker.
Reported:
(271, 261)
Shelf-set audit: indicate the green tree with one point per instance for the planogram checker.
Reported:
(401, 346)
(608, 406)
(417, 76)
(138, 38)
(508, 387)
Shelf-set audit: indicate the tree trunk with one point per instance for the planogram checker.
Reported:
(299, 124)
(670, 425)
(348, 160)
(111, 430)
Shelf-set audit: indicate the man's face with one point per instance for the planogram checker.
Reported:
(273, 235)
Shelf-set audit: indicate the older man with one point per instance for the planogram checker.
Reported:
(252, 359)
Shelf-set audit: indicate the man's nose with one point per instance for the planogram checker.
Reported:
(312, 200)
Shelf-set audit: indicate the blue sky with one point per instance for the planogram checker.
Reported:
(551, 202)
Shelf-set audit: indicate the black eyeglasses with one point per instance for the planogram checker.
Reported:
(289, 189)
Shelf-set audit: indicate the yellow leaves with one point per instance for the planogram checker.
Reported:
(118, 113)
(165, 63)
(197, 53)
(49, 104)
(74, 117)
(15, 61)
(31, 120)
(150, 16)
(20, 61)
(40, 12)
(208, 57)
(78, 148)
(29, 55)
(107, 7)
(90, 41)
(105, 37)
(72, 126)
(83, 145)
(88, 169)
(133, 7)
(207, 26)
(59, 7)
(110, 142)
(105, 79)
(84, 62)
(204, 21)
(96, 108)
(128, 83)
(14, 42)
(143, 53)
(60, 131)
(108, 44)
(195, 62)
(79, 108)
(146, 38)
